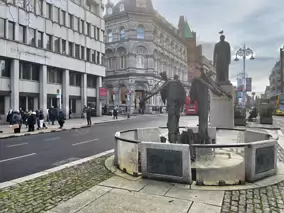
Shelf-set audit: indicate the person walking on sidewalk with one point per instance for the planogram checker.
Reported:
(9, 117)
(89, 115)
(37, 119)
(115, 112)
(41, 119)
(52, 114)
(61, 118)
(31, 121)
(17, 121)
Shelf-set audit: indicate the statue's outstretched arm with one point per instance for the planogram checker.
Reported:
(156, 92)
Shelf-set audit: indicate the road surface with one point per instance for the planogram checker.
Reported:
(30, 154)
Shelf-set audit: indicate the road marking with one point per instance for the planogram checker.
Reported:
(20, 144)
(83, 142)
(52, 139)
(19, 157)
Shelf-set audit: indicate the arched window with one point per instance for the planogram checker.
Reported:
(109, 63)
(122, 34)
(121, 8)
(109, 36)
(140, 32)
(123, 93)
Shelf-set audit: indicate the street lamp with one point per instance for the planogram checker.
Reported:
(244, 52)
(281, 68)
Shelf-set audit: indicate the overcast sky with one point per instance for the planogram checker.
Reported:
(257, 23)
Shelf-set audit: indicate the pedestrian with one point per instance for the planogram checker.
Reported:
(37, 119)
(17, 121)
(31, 121)
(25, 117)
(41, 119)
(52, 114)
(115, 112)
(105, 109)
(89, 115)
(9, 117)
(61, 118)
(47, 116)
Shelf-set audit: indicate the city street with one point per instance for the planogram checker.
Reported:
(30, 154)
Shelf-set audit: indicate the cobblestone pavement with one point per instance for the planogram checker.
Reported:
(46, 192)
(261, 200)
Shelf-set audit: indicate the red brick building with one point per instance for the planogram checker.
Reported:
(195, 59)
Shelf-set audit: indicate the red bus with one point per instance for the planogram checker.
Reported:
(190, 109)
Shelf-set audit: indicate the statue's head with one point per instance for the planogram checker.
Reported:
(222, 38)
(175, 77)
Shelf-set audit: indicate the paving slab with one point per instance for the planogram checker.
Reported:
(121, 183)
(123, 201)
(208, 197)
(78, 202)
(156, 187)
(204, 208)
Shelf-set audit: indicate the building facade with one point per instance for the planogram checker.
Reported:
(140, 44)
(195, 59)
(275, 80)
(51, 55)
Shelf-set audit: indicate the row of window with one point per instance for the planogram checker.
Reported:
(123, 36)
(34, 38)
(75, 23)
(36, 6)
(55, 75)
(141, 35)
(30, 71)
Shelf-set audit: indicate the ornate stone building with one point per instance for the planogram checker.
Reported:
(140, 44)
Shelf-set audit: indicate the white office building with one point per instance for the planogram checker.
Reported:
(49, 47)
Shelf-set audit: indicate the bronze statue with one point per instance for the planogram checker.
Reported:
(222, 60)
(174, 93)
(199, 92)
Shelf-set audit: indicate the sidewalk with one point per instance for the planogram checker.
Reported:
(86, 186)
(69, 124)
(125, 194)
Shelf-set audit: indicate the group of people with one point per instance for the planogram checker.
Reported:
(17, 118)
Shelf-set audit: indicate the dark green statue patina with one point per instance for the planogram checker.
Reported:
(174, 94)
(199, 92)
(222, 60)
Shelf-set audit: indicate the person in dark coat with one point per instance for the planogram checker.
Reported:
(25, 118)
(52, 115)
(9, 117)
(37, 119)
(61, 118)
(89, 115)
(31, 121)
(115, 112)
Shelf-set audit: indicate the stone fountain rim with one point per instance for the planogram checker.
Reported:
(117, 137)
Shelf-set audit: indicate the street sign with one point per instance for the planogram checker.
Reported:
(103, 93)
(248, 84)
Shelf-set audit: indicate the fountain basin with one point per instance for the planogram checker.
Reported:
(139, 152)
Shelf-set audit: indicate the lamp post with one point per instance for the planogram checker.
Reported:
(281, 68)
(244, 52)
